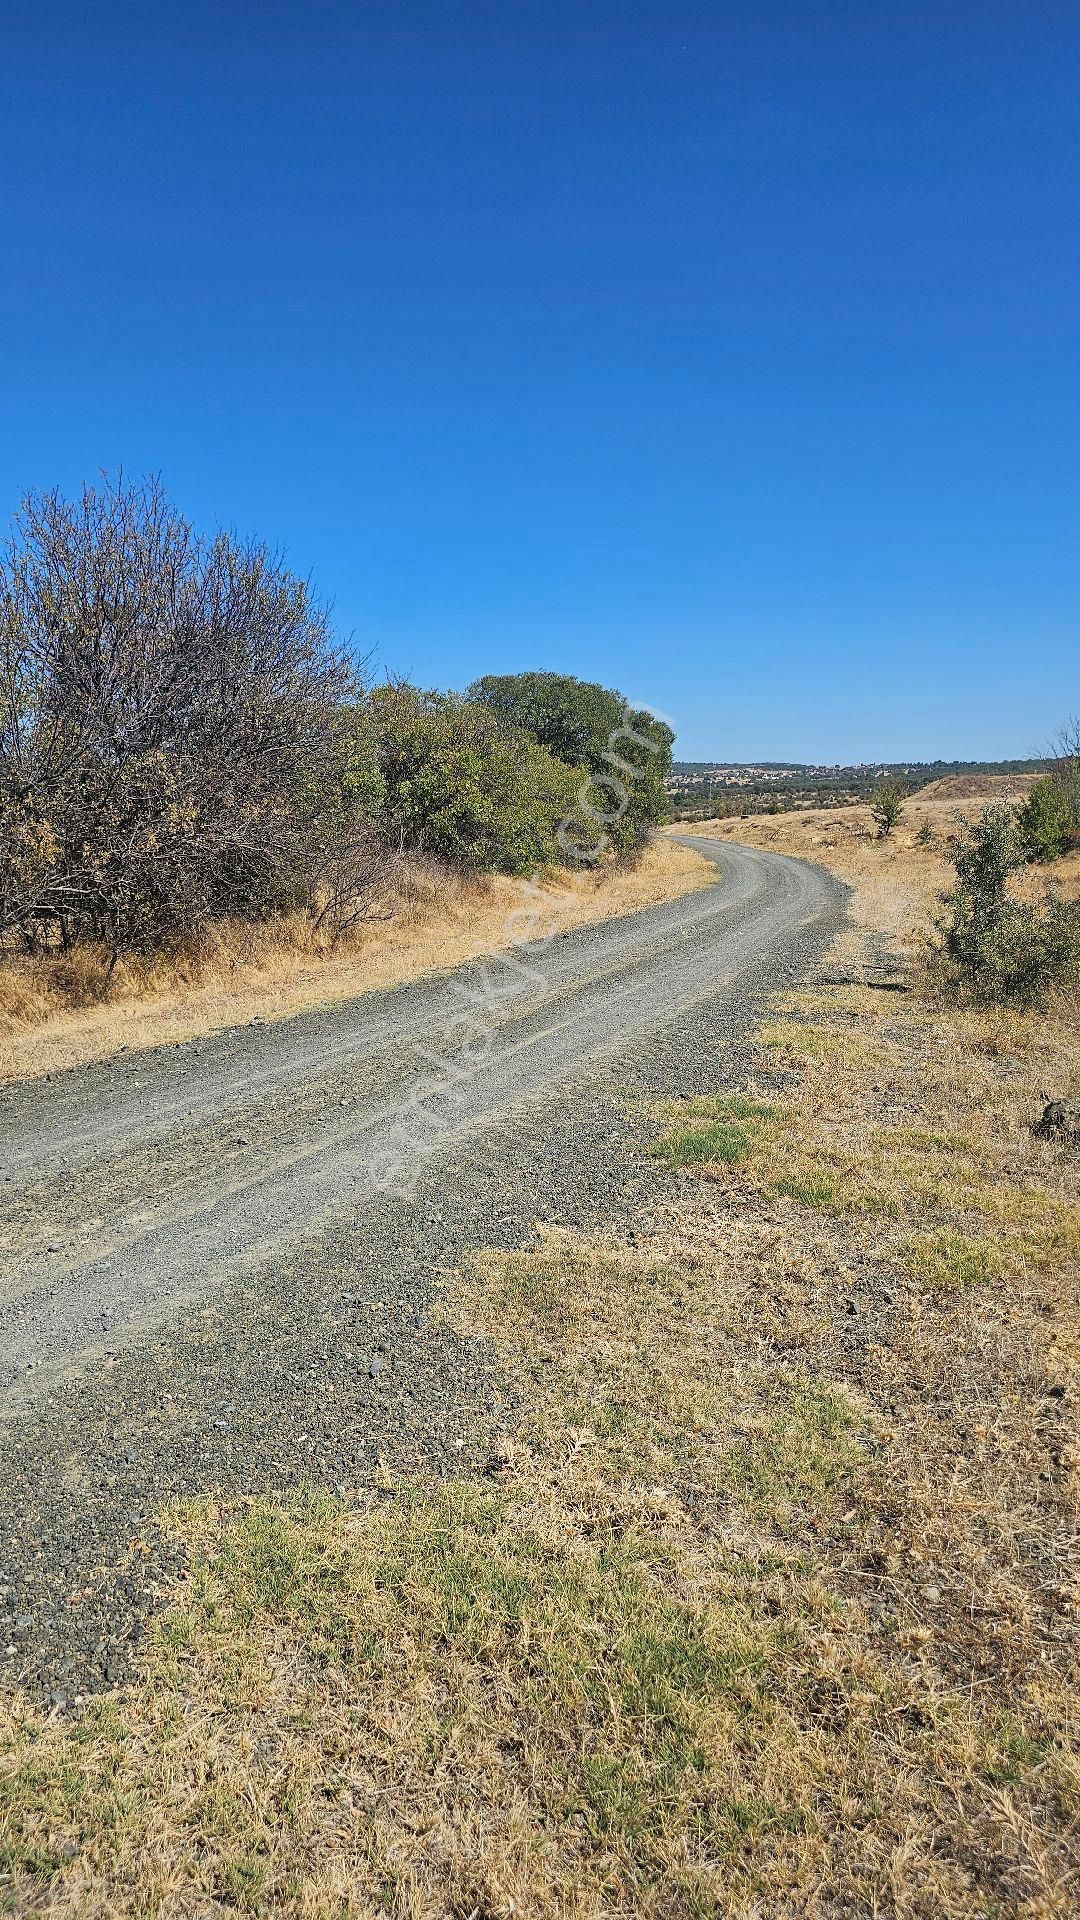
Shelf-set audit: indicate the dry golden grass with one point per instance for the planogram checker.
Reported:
(897, 882)
(766, 1607)
(898, 1109)
(979, 789)
(62, 1012)
(918, 1121)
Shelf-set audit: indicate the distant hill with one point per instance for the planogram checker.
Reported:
(922, 770)
(980, 786)
(706, 789)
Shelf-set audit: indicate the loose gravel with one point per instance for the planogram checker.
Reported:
(202, 1291)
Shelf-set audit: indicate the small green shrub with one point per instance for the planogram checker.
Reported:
(993, 948)
(1047, 829)
(887, 806)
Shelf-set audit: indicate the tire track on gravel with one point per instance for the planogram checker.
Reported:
(274, 1320)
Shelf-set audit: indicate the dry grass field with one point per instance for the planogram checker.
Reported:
(897, 881)
(63, 1011)
(769, 1606)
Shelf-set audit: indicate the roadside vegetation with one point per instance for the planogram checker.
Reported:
(1049, 820)
(187, 748)
(626, 758)
(767, 1602)
(995, 947)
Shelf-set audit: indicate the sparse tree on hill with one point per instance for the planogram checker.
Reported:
(887, 806)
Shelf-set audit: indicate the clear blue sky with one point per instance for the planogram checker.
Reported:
(727, 354)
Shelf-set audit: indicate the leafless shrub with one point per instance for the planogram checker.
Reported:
(349, 875)
(174, 730)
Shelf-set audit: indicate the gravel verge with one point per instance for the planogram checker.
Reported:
(311, 1349)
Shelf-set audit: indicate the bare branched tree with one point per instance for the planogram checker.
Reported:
(174, 714)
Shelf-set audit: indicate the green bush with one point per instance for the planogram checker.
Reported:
(994, 948)
(461, 784)
(887, 806)
(625, 754)
(1045, 820)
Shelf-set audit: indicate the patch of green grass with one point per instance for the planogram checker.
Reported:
(617, 1694)
(930, 1142)
(807, 1041)
(589, 1637)
(805, 1441)
(734, 1129)
(951, 1259)
(813, 1188)
(843, 1183)
(1012, 1752)
(724, 1142)
(739, 1106)
(732, 1125)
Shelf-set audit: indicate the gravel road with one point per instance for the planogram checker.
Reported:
(220, 1261)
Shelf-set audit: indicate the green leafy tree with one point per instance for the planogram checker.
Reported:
(624, 753)
(462, 785)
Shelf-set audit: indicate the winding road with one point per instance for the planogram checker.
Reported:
(218, 1259)
(142, 1183)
